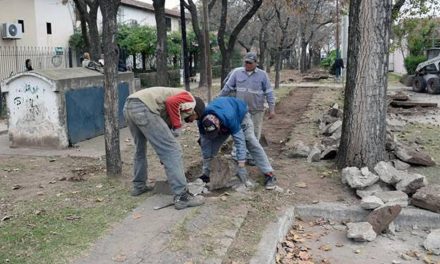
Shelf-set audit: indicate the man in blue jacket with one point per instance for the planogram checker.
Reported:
(227, 116)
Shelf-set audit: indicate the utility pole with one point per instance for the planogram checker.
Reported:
(184, 47)
(207, 48)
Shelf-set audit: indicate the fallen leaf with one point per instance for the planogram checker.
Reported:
(289, 244)
(428, 260)
(315, 201)
(8, 217)
(301, 185)
(99, 199)
(52, 160)
(304, 255)
(99, 186)
(326, 247)
(339, 245)
(52, 182)
(40, 193)
(38, 212)
(62, 179)
(137, 215)
(17, 187)
(357, 251)
(223, 198)
(73, 217)
(119, 258)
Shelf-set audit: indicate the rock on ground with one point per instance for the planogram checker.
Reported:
(222, 170)
(371, 202)
(300, 150)
(414, 157)
(371, 190)
(361, 232)
(358, 179)
(428, 198)
(410, 183)
(432, 242)
(393, 197)
(400, 165)
(314, 155)
(387, 173)
(381, 217)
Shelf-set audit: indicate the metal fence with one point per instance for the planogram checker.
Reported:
(13, 59)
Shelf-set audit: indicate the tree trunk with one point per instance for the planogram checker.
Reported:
(263, 46)
(109, 9)
(268, 62)
(95, 49)
(203, 82)
(81, 6)
(303, 58)
(161, 47)
(278, 68)
(364, 125)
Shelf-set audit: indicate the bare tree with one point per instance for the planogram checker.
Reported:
(227, 42)
(88, 13)
(109, 9)
(191, 6)
(364, 125)
(161, 48)
(265, 16)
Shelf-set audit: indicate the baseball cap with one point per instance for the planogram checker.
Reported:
(211, 124)
(250, 57)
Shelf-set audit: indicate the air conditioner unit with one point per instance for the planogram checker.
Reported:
(12, 31)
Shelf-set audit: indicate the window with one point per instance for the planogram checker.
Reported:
(168, 23)
(21, 22)
(49, 28)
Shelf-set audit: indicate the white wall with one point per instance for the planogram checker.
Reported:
(11, 11)
(59, 15)
(127, 13)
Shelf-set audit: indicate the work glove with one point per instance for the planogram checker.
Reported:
(176, 132)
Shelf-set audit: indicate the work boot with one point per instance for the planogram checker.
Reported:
(270, 182)
(185, 200)
(139, 191)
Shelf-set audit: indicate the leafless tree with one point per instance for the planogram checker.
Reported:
(88, 14)
(161, 47)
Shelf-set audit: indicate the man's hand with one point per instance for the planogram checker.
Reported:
(242, 174)
(271, 114)
(176, 132)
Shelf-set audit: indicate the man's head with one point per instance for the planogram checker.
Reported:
(198, 110)
(250, 61)
(211, 124)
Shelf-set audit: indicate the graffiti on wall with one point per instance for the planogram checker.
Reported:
(28, 101)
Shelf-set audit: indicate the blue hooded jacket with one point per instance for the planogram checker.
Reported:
(231, 112)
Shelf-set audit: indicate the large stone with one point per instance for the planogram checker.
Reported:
(329, 153)
(370, 190)
(358, 179)
(393, 198)
(300, 150)
(410, 183)
(330, 141)
(414, 157)
(432, 242)
(400, 165)
(361, 232)
(387, 173)
(222, 170)
(381, 217)
(428, 198)
(332, 128)
(371, 202)
(335, 111)
(314, 155)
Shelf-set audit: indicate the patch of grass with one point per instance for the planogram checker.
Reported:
(180, 233)
(393, 78)
(58, 228)
(429, 135)
(282, 92)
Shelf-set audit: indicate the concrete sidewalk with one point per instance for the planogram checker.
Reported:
(92, 148)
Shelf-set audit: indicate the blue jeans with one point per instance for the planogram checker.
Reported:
(210, 147)
(147, 126)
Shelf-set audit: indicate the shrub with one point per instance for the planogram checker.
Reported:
(411, 63)
(149, 79)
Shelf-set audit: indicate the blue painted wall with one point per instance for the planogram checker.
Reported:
(85, 112)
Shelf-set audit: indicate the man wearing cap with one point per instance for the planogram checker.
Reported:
(155, 115)
(226, 116)
(253, 86)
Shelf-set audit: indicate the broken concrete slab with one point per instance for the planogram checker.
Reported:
(222, 170)
(300, 150)
(274, 233)
(314, 155)
(361, 232)
(413, 157)
(400, 165)
(428, 198)
(410, 183)
(381, 217)
(371, 190)
(332, 128)
(393, 197)
(432, 242)
(358, 179)
(329, 153)
(387, 173)
(371, 202)
(407, 219)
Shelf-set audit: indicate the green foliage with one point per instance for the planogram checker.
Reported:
(329, 60)
(174, 42)
(418, 33)
(411, 63)
(138, 39)
(149, 79)
(76, 40)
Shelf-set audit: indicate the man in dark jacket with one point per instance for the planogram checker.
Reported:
(227, 116)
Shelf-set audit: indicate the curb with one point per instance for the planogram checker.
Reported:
(275, 232)
(409, 217)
